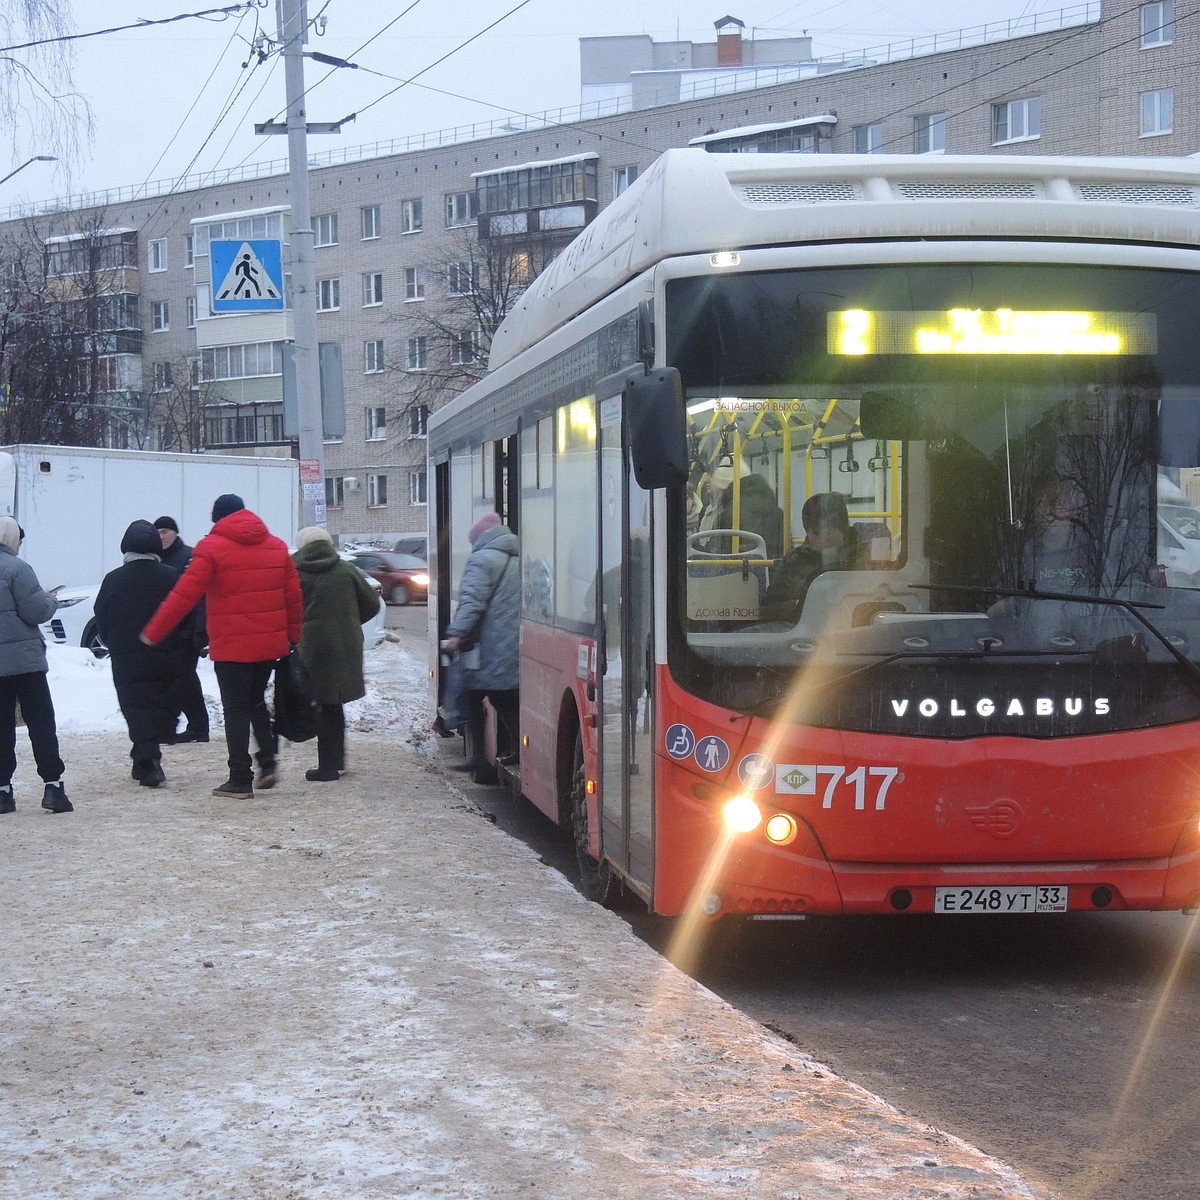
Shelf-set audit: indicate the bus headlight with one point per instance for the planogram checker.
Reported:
(741, 814)
(781, 829)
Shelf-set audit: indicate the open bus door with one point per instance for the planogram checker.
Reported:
(626, 654)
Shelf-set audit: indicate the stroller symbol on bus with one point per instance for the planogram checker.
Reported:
(756, 771)
(712, 753)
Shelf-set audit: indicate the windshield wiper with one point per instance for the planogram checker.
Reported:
(1034, 593)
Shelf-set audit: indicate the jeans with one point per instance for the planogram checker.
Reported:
(37, 708)
(243, 699)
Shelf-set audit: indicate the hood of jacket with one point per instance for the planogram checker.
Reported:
(499, 537)
(317, 557)
(242, 526)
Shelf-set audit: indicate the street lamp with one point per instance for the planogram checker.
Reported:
(35, 158)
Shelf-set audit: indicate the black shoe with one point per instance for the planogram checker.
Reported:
(7, 803)
(321, 775)
(153, 777)
(441, 728)
(189, 736)
(233, 788)
(54, 798)
(268, 776)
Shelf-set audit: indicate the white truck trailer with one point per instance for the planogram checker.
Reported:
(75, 503)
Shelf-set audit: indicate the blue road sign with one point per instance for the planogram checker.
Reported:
(247, 275)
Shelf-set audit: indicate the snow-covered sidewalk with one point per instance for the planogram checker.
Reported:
(364, 989)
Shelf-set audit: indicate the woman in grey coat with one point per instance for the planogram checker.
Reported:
(24, 605)
(489, 615)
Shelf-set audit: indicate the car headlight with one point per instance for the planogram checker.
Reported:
(423, 580)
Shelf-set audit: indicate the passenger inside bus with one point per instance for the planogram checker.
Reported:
(831, 543)
(757, 510)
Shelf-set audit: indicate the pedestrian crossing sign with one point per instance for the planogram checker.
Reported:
(247, 275)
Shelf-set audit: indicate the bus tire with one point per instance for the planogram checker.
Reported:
(596, 879)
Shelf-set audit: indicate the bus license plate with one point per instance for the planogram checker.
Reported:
(1044, 898)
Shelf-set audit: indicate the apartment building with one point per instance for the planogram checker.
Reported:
(420, 246)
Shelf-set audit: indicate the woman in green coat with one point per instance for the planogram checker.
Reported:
(337, 600)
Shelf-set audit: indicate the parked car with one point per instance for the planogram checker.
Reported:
(413, 543)
(404, 578)
(74, 623)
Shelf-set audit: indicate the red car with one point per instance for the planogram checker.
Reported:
(404, 578)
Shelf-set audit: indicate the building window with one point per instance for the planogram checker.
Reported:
(1158, 23)
(414, 283)
(418, 489)
(1016, 120)
(329, 295)
(372, 289)
(335, 491)
(325, 227)
(376, 423)
(162, 376)
(868, 139)
(411, 216)
(465, 347)
(461, 278)
(156, 254)
(622, 178)
(1157, 111)
(462, 208)
(189, 250)
(418, 421)
(537, 187)
(248, 361)
(370, 222)
(376, 491)
(160, 316)
(415, 358)
(191, 312)
(929, 133)
(372, 357)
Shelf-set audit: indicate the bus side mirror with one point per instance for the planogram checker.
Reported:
(657, 428)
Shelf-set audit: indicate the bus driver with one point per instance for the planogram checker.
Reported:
(830, 543)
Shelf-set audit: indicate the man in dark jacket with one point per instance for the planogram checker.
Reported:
(24, 605)
(177, 553)
(830, 544)
(758, 511)
(255, 613)
(146, 677)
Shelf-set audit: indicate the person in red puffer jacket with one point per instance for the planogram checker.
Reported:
(255, 613)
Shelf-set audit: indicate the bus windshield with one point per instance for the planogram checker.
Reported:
(930, 498)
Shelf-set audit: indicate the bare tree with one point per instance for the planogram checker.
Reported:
(39, 108)
(177, 405)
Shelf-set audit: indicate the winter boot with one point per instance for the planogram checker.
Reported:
(7, 803)
(321, 775)
(236, 788)
(268, 774)
(153, 776)
(54, 798)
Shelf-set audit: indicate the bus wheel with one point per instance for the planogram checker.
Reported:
(596, 877)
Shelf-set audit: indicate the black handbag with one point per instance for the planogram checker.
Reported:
(295, 715)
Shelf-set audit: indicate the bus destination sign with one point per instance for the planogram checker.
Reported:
(860, 331)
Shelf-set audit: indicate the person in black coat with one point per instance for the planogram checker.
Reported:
(146, 677)
(189, 698)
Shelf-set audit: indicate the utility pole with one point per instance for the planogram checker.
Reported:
(293, 34)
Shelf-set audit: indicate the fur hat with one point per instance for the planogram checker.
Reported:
(141, 538)
(226, 504)
(310, 534)
(166, 523)
(10, 534)
(488, 521)
(722, 476)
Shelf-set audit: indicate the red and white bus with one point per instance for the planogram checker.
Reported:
(985, 696)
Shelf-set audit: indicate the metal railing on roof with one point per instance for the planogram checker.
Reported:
(736, 81)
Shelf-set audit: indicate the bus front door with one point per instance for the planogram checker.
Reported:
(626, 774)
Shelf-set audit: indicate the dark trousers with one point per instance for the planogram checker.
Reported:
(37, 708)
(243, 701)
(189, 695)
(331, 737)
(146, 754)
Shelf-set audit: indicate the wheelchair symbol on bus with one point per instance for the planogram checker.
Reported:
(681, 741)
(712, 753)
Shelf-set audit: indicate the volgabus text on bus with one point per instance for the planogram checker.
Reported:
(1003, 706)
